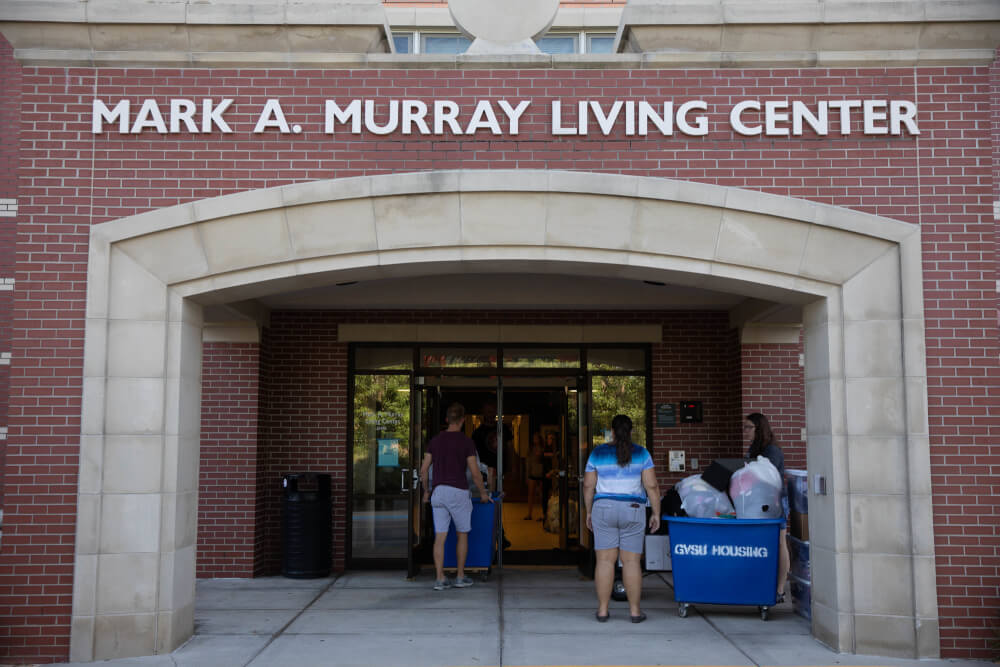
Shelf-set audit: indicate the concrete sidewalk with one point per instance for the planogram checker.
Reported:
(522, 616)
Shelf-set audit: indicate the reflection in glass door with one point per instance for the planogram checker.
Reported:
(613, 395)
(382, 471)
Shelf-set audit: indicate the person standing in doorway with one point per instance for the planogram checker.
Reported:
(618, 480)
(488, 453)
(760, 441)
(452, 453)
(536, 472)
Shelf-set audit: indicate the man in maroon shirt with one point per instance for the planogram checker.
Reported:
(452, 453)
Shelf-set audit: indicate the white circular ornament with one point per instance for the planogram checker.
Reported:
(503, 26)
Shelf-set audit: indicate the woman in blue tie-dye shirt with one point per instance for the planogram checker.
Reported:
(618, 480)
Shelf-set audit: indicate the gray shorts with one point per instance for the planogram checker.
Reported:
(451, 504)
(619, 525)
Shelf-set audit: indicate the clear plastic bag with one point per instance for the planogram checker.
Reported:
(701, 500)
(756, 490)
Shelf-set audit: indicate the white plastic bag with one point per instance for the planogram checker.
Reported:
(756, 490)
(701, 500)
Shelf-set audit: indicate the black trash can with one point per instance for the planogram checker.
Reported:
(305, 526)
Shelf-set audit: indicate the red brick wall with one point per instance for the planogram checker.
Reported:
(10, 84)
(38, 466)
(227, 495)
(70, 179)
(963, 347)
(303, 423)
(774, 384)
(697, 362)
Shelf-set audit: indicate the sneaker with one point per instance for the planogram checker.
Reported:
(442, 585)
(463, 582)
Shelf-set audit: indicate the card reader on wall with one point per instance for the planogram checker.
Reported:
(691, 412)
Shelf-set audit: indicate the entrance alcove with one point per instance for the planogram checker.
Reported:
(856, 278)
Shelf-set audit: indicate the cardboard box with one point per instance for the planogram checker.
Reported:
(798, 553)
(658, 553)
(801, 596)
(798, 490)
(798, 526)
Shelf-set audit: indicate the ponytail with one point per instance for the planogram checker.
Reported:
(621, 426)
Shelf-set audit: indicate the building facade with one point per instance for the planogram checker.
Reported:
(221, 227)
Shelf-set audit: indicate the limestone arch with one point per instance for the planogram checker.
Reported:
(857, 276)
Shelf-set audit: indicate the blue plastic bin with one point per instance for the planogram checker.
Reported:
(798, 490)
(482, 537)
(725, 561)
(798, 553)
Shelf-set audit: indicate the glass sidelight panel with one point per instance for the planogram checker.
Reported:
(618, 394)
(381, 467)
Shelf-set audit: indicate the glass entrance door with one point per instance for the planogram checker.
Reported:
(382, 469)
(565, 395)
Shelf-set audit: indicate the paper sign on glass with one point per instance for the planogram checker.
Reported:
(388, 453)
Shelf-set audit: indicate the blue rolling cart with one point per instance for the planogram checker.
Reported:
(725, 561)
(482, 539)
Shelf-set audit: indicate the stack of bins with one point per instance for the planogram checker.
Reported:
(799, 576)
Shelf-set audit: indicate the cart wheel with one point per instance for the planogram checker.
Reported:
(763, 613)
(682, 610)
(618, 591)
(484, 576)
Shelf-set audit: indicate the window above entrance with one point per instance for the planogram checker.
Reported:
(383, 359)
(615, 359)
(555, 42)
(457, 357)
(541, 358)
(598, 359)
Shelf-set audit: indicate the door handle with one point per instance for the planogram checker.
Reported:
(402, 480)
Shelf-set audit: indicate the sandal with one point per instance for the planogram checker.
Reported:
(602, 619)
(640, 618)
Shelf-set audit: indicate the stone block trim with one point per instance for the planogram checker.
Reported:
(243, 239)
(8, 208)
(721, 34)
